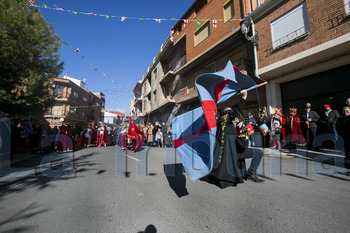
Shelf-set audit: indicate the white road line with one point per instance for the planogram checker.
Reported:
(133, 158)
(322, 153)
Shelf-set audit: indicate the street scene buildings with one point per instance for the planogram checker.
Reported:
(285, 46)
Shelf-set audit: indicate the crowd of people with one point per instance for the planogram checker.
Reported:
(38, 137)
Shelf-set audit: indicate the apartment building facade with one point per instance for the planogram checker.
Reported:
(203, 41)
(74, 104)
(304, 52)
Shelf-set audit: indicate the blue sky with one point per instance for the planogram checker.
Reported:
(121, 51)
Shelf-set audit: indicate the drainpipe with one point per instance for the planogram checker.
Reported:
(256, 72)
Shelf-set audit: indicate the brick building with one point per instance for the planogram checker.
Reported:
(303, 52)
(198, 45)
(74, 104)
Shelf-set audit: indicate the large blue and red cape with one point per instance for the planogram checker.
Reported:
(194, 132)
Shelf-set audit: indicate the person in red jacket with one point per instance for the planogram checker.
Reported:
(296, 135)
(65, 139)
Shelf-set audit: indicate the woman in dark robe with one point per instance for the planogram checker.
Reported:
(226, 170)
(109, 136)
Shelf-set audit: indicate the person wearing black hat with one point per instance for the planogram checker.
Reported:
(309, 124)
(263, 119)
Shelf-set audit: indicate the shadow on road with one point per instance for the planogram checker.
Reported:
(149, 229)
(12, 183)
(176, 178)
(30, 211)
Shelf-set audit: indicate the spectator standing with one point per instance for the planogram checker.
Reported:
(343, 127)
(159, 137)
(309, 125)
(263, 119)
(251, 121)
(329, 119)
(164, 132)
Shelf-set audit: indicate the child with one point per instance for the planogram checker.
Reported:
(276, 135)
(159, 137)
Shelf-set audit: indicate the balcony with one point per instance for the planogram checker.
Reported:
(137, 100)
(179, 63)
(165, 103)
(62, 96)
(186, 95)
(169, 76)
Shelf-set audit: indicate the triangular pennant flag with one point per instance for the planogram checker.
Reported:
(77, 50)
(31, 2)
(157, 20)
(173, 19)
(123, 18)
(142, 19)
(58, 8)
(198, 24)
(106, 16)
(82, 57)
(91, 14)
(65, 43)
(44, 6)
(90, 66)
(74, 12)
(96, 69)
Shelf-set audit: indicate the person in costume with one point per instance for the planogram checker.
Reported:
(93, 141)
(296, 135)
(65, 138)
(309, 122)
(226, 171)
(283, 122)
(343, 127)
(102, 135)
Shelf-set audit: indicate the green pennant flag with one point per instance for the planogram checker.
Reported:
(173, 19)
(44, 6)
(96, 69)
(198, 24)
(83, 57)
(229, 21)
(74, 12)
(142, 19)
(107, 16)
(65, 43)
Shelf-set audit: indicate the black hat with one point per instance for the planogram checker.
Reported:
(307, 105)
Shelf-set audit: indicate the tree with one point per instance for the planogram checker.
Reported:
(29, 61)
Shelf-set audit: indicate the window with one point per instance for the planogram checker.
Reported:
(57, 110)
(190, 83)
(229, 10)
(155, 74)
(347, 6)
(97, 104)
(73, 110)
(75, 94)
(290, 26)
(202, 33)
(83, 114)
(200, 6)
(85, 99)
(154, 96)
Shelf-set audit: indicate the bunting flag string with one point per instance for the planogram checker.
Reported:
(78, 51)
(124, 18)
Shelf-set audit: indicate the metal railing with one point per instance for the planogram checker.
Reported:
(290, 37)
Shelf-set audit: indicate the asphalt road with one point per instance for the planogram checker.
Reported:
(107, 191)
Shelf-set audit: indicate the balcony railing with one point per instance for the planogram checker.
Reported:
(290, 37)
(179, 63)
